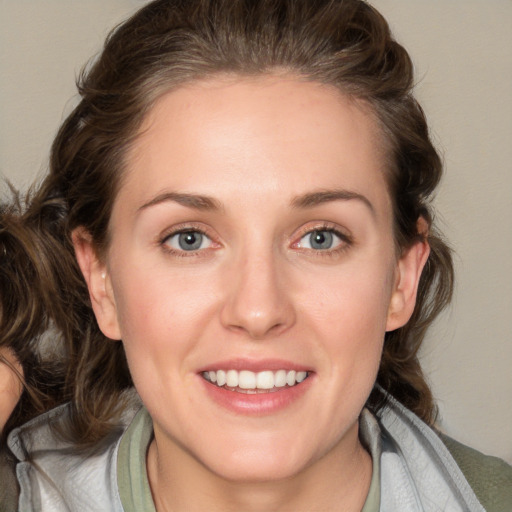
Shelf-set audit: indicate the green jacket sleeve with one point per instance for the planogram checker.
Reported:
(9, 489)
(489, 477)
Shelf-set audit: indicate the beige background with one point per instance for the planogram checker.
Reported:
(463, 54)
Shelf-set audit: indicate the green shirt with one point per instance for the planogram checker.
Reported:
(132, 476)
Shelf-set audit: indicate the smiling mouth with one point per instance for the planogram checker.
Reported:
(249, 382)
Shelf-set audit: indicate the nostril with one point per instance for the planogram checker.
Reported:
(258, 328)
(257, 301)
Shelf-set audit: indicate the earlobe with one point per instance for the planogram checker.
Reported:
(98, 282)
(408, 273)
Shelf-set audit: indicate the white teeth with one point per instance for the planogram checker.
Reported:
(248, 380)
(265, 380)
(280, 379)
(221, 377)
(300, 376)
(232, 378)
(290, 378)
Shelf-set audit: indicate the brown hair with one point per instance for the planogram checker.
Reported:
(26, 306)
(345, 43)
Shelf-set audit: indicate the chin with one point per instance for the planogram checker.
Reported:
(259, 463)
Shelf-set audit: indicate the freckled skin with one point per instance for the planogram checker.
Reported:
(256, 288)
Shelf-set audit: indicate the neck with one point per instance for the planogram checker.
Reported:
(339, 480)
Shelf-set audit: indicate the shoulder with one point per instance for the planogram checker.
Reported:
(54, 476)
(9, 487)
(489, 477)
(440, 466)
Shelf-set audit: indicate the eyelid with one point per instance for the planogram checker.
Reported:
(186, 227)
(323, 226)
(343, 234)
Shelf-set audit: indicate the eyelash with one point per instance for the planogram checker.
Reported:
(346, 241)
(345, 238)
(178, 230)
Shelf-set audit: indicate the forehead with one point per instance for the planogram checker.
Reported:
(256, 134)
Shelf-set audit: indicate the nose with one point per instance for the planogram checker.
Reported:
(258, 301)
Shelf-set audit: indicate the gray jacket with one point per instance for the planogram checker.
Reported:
(417, 471)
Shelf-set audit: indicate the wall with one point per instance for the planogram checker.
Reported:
(463, 54)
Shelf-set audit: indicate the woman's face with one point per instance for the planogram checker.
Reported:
(252, 243)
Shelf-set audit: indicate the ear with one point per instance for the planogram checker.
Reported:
(98, 282)
(407, 278)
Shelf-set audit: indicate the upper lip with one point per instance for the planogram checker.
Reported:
(255, 365)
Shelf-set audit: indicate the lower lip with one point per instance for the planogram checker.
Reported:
(258, 403)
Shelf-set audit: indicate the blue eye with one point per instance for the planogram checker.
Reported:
(188, 241)
(320, 240)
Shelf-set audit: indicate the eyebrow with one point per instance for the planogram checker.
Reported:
(319, 197)
(195, 201)
(309, 200)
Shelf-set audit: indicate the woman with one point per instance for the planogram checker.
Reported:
(31, 373)
(245, 189)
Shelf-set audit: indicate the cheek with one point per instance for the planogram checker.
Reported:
(350, 316)
(352, 299)
(161, 314)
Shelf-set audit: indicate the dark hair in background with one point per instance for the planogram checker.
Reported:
(28, 300)
(344, 43)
